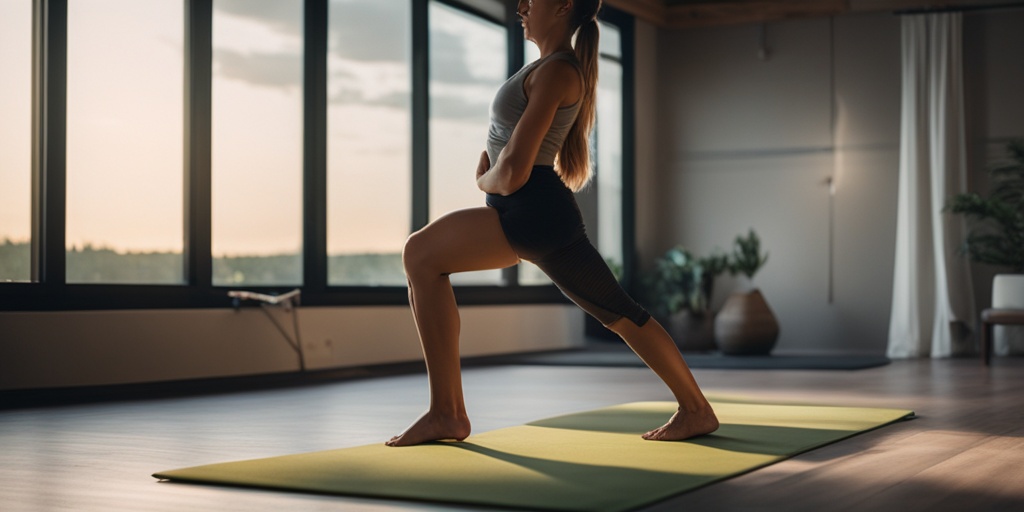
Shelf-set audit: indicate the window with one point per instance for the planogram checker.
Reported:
(467, 65)
(124, 141)
(256, 157)
(608, 139)
(530, 274)
(387, 81)
(369, 139)
(606, 148)
(15, 140)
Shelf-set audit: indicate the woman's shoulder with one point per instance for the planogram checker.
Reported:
(563, 62)
(560, 71)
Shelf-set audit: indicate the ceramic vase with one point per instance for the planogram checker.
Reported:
(693, 332)
(746, 325)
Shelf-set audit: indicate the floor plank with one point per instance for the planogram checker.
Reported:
(961, 453)
(988, 476)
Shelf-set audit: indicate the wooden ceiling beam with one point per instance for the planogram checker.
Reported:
(651, 11)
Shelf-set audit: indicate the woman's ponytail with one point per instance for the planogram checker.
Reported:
(573, 163)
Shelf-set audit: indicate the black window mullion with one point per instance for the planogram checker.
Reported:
(516, 54)
(198, 87)
(627, 26)
(314, 101)
(49, 126)
(420, 114)
(510, 275)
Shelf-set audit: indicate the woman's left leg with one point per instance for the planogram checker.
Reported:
(461, 241)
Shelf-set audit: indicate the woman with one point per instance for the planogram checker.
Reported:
(538, 143)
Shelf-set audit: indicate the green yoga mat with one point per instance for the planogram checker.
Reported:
(589, 461)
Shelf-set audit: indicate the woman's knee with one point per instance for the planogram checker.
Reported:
(623, 326)
(417, 255)
(618, 325)
(412, 251)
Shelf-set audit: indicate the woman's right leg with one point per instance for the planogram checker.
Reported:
(657, 349)
(581, 273)
(461, 241)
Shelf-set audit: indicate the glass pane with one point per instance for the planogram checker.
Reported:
(124, 141)
(530, 52)
(611, 41)
(468, 62)
(609, 161)
(15, 140)
(529, 274)
(369, 141)
(607, 141)
(257, 142)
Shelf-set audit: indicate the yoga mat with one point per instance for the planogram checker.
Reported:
(588, 461)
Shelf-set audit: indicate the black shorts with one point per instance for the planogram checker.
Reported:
(544, 226)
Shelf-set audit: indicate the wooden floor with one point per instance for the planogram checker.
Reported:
(965, 451)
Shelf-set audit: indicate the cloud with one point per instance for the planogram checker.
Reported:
(277, 70)
(363, 31)
(380, 31)
(375, 30)
(448, 106)
(448, 59)
(281, 16)
(457, 108)
(352, 95)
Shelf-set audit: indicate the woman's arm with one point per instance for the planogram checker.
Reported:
(552, 83)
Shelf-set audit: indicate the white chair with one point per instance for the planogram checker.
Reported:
(1007, 309)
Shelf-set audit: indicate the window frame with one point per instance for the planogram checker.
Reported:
(49, 290)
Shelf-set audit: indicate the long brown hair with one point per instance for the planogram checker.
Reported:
(573, 162)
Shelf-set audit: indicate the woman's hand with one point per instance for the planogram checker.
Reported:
(483, 166)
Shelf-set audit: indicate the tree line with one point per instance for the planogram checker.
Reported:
(89, 264)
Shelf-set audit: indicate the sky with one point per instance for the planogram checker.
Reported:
(125, 122)
(15, 104)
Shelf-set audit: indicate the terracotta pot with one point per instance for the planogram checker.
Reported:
(746, 325)
(693, 332)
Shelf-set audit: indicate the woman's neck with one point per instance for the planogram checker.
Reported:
(554, 45)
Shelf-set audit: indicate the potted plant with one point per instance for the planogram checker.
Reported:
(680, 288)
(996, 234)
(746, 325)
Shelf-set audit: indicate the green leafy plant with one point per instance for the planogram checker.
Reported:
(746, 255)
(681, 281)
(996, 236)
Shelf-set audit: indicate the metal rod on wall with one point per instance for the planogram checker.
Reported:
(830, 181)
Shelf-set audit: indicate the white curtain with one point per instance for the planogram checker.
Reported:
(932, 299)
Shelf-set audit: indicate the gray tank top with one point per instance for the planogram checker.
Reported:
(510, 103)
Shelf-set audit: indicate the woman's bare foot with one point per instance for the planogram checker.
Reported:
(433, 427)
(684, 425)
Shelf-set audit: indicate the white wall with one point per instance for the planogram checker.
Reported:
(81, 348)
(994, 81)
(740, 143)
